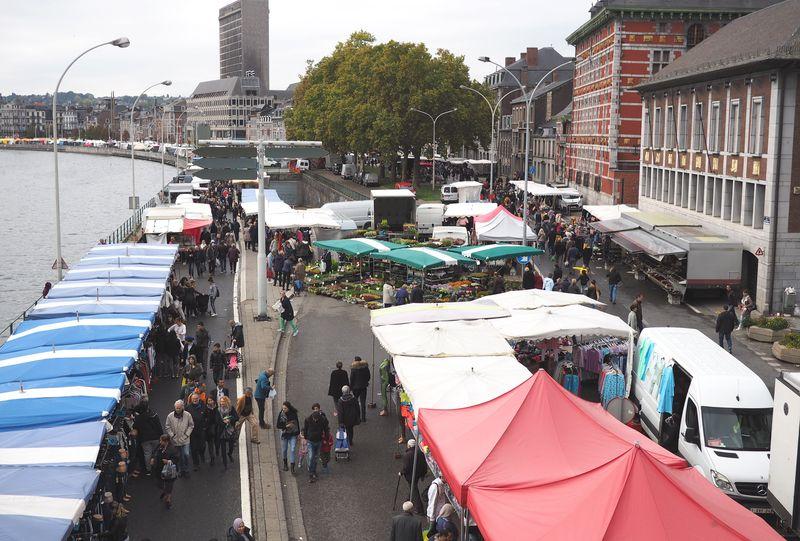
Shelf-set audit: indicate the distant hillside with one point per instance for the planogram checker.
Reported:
(83, 99)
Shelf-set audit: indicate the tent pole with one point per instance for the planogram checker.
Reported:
(414, 469)
(372, 402)
(465, 525)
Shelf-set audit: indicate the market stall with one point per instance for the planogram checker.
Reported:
(457, 210)
(532, 299)
(501, 226)
(443, 339)
(444, 264)
(435, 311)
(495, 252)
(358, 247)
(608, 212)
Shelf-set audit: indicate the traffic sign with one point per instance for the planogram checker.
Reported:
(760, 251)
(64, 265)
(523, 259)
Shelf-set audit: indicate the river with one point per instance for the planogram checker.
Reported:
(94, 202)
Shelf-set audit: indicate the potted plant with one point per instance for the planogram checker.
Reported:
(767, 329)
(788, 349)
(383, 227)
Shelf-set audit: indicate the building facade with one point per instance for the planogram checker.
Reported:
(721, 144)
(20, 121)
(623, 43)
(225, 106)
(244, 40)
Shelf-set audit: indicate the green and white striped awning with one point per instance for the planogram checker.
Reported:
(491, 252)
(423, 258)
(358, 247)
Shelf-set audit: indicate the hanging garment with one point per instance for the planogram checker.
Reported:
(666, 391)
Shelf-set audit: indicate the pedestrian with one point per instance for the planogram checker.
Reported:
(614, 279)
(548, 283)
(388, 294)
(747, 306)
(338, 380)
(445, 523)
(213, 293)
(277, 267)
(413, 475)
(639, 313)
(287, 314)
(201, 340)
(538, 281)
(325, 452)
(191, 374)
(179, 426)
(405, 526)
(315, 429)
(239, 532)
(726, 322)
(148, 426)
(527, 277)
(387, 383)
(732, 296)
(121, 482)
(225, 420)
(583, 281)
(246, 413)
(289, 424)
(401, 295)
(347, 411)
(416, 293)
(164, 462)
(437, 497)
(286, 272)
(262, 392)
(233, 257)
(359, 381)
(197, 441)
(593, 292)
(299, 276)
(210, 425)
(118, 525)
(219, 391)
(632, 319)
(222, 256)
(217, 361)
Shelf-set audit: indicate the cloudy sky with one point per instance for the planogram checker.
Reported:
(178, 39)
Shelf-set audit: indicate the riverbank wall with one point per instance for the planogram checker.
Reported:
(103, 151)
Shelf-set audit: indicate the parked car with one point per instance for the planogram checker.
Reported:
(349, 171)
(449, 194)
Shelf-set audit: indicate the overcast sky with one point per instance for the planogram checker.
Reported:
(178, 39)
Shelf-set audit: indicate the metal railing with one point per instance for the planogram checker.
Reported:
(11, 327)
(129, 226)
(335, 186)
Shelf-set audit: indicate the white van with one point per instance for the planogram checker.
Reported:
(429, 215)
(721, 416)
(349, 171)
(449, 194)
(569, 200)
(359, 211)
(302, 165)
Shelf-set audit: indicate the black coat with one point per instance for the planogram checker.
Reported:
(348, 410)
(408, 464)
(338, 380)
(290, 418)
(199, 418)
(406, 527)
(528, 279)
(359, 375)
(416, 294)
(288, 311)
(148, 425)
(726, 322)
(315, 426)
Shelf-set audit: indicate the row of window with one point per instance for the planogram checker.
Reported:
(664, 130)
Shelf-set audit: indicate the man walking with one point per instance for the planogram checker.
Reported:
(405, 526)
(412, 474)
(148, 425)
(315, 428)
(726, 322)
(179, 428)
(614, 279)
(201, 339)
(197, 441)
(263, 388)
(359, 381)
(639, 314)
(244, 408)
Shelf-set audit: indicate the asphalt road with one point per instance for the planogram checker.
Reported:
(355, 500)
(205, 505)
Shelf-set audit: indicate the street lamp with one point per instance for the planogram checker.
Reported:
(433, 144)
(133, 204)
(163, 112)
(528, 98)
(492, 144)
(121, 43)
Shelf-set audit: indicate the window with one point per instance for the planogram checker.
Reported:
(657, 127)
(669, 140)
(698, 134)
(737, 429)
(647, 128)
(713, 129)
(660, 60)
(691, 415)
(694, 35)
(733, 128)
(682, 127)
(756, 126)
(597, 183)
(662, 28)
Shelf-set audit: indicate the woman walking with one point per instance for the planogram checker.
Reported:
(213, 293)
(165, 462)
(289, 424)
(210, 417)
(226, 430)
(287, 314)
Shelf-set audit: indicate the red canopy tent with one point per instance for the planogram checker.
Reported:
(194, 227)
(540, 460)
(500, 209)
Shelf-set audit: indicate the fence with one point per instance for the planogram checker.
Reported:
(11, 327)
(129, 226)
(352, 195)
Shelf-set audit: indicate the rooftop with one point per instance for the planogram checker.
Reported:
(543, 90)
(768, 35)
(547, 59)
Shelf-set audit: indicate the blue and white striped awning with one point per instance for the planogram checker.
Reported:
(58, 401)
(71, 330)
(135, 249)
(87, 306)
(86, 359)
(71, 445)
(122, 260)
(43, 503)
(107, 288)
(124, 272)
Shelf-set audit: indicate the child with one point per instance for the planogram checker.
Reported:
(121, 482)
(325, 451)
(302, 446)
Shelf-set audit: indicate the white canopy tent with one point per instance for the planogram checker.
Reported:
(503, 227)
(469, 191)
(443, 339)
(160, 220)
(457, 382)
(532, 299)
(608, 212)
(536, 189)
(294, 219)
(557, 321)
(456, 210)
(433, 312)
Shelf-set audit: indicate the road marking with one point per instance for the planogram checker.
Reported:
(244, 472)
(695, 310)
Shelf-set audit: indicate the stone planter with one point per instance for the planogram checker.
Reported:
(789, 355)
(760, 334)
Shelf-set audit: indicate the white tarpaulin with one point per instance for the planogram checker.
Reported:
(457, 382)
(435, 311)
(559, 321)
(532, 299)
(443, 339)
(456, 210)
(536, 189)
(608, 212)
(158, 220)
(469, 191)
(503, 227)
(302, 218)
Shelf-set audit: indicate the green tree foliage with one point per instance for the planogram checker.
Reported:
(358, 100)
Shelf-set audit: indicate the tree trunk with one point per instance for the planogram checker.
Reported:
(382, 171)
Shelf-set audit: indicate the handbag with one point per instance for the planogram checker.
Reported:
(229, 432)
(169, 472)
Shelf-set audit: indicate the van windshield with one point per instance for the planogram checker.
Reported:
(737, 429)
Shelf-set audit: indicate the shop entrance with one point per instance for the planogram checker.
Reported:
(749, 272)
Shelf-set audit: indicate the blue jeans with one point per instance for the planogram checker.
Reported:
(727, 337)
(289, 444)
(184, 452)
(612, 291)
(313, 454)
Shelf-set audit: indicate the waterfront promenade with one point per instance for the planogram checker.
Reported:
(169, 159)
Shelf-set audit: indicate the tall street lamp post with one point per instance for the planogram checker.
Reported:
(163, 149)
(133, 204)
(433, 143)
(528, 98)
(493, 144)
(121, 43)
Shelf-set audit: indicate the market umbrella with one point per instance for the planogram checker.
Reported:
(492, 252)
(443, 339)
(435, 311)
(358, 247)
(423, 258)
(533, 299)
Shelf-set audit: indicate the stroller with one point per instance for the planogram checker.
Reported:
(341, 448)
(201, 304)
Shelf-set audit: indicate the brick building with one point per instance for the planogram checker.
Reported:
(721, 144)
(622, 44)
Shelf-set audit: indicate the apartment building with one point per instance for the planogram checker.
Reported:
(225, 106)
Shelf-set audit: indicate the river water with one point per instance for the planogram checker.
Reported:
(94, 202)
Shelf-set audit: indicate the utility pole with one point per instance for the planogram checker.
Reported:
(261, 287)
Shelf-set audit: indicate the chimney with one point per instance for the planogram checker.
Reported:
(532, 56)
(522, 56)
(510, 60)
